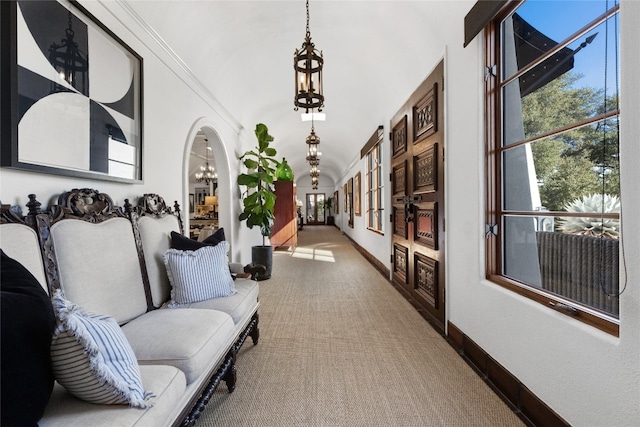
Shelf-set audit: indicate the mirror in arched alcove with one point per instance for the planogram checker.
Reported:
(204, 208)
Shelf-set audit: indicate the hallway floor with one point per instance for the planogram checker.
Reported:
(339, 346)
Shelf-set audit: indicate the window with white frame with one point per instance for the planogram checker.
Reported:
(553, 207)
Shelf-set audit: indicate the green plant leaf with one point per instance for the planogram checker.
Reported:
(265, 176)
(260, 203)
(251, 164)
(250, 181)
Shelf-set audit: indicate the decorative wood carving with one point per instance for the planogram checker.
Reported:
(400, 262)
(92, 206)
(425, 170)
(10, 216)
(42, 223)
(400, 221)
(226, 372)
(399, 137)
(400, 179)
(426, 225)
(154, 205)
(425, 115)
(426, 278)
(85, 204)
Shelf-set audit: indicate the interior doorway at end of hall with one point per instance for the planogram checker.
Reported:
(315, 209)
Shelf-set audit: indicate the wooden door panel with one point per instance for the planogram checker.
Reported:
(426, 225)
(418, 208)
(400, 264)
(400, 221)
(400, 179)
(399, 137)
(425, 114)
(425, 170)
(426, 281)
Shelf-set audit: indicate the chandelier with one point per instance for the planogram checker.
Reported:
(307, 65)
(207, 173)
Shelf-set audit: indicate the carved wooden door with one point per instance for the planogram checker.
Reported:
(417, 153)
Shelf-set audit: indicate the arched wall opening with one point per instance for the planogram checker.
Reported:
(219, 157)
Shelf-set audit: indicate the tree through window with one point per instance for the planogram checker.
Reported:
(553, 166)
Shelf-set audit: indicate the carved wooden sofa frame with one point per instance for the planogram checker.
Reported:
(94, 207)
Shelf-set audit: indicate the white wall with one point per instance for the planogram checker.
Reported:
(174, 108)
(588, 377)
(375, 243)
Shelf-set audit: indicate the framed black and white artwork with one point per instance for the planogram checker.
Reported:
(71, 93)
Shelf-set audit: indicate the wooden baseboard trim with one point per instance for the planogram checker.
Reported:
(531, 409)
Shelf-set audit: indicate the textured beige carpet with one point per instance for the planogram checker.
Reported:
(339, 346)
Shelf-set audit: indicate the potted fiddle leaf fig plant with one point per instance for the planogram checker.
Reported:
(327, 205)
(259, 198)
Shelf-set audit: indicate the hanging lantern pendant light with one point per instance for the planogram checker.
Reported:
(313, 156)
(312, 151)
(307, 65)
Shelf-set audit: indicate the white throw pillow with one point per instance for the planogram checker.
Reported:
(198, 275)
(92, 359)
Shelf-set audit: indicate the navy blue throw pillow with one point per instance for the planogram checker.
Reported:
(27, 323)
(183, 243)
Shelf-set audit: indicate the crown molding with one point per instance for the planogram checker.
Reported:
(161, 49)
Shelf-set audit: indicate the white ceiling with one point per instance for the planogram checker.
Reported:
(376, 53)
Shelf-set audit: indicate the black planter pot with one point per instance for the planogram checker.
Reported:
(330, 220)
(262, 255)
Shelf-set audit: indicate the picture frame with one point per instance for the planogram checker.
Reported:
(350, 201)
(336, 210)
(356, 195)
(82, 120)
(200, 194)
(192, 202)
(346, 195)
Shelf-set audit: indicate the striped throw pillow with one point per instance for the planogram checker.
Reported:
(198, 275)
(92, 359)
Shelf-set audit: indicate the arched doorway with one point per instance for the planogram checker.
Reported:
(203, 188)
(199, 211)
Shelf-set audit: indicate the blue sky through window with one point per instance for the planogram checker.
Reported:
(558, 20)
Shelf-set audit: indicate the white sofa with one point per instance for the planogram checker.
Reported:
(109, 261)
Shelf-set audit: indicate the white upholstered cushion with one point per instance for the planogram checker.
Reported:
(167, 382)
(20, 242)
(239, 305)
(99, 267)
(188, 339)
